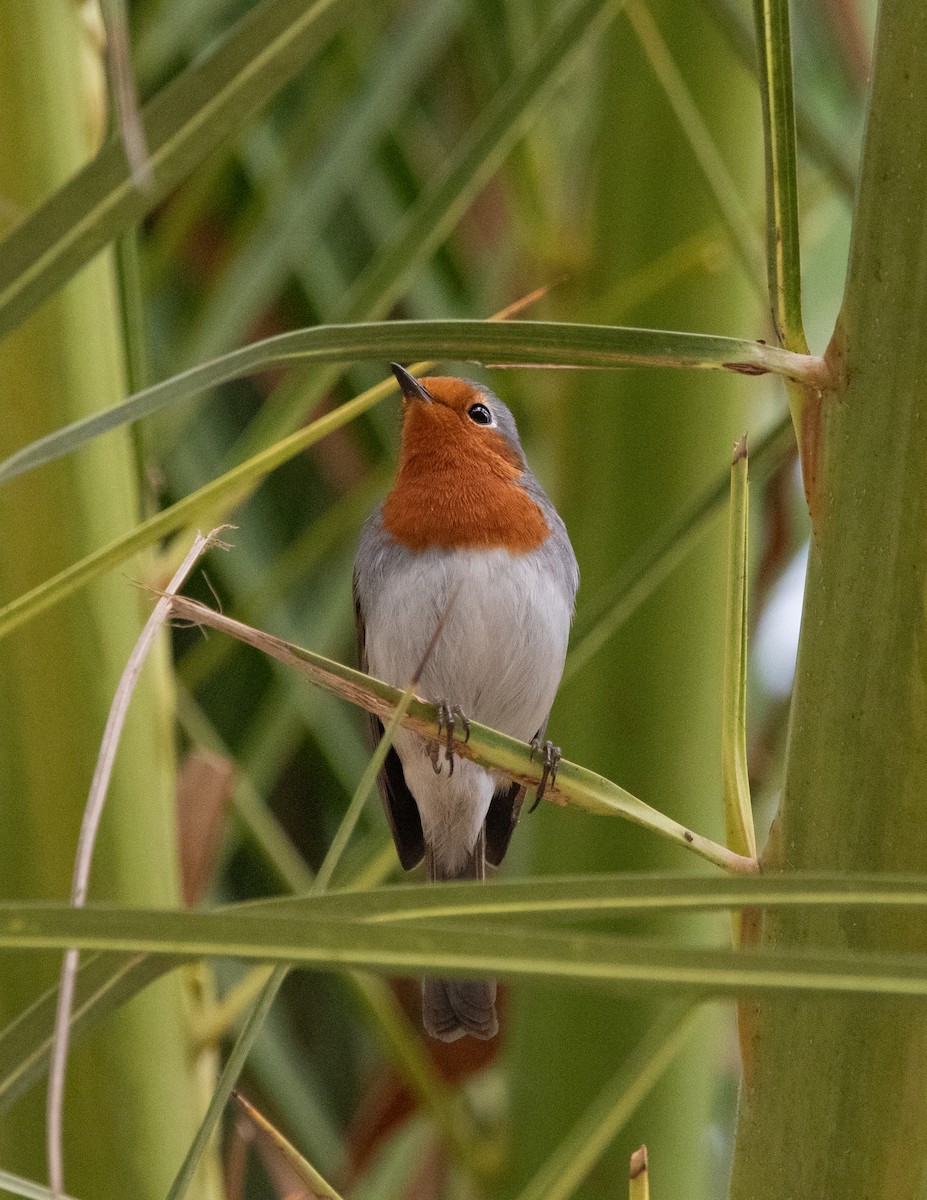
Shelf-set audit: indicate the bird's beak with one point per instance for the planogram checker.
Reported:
(409, 385)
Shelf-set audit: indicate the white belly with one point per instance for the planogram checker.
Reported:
(499, 657)
(501, 651)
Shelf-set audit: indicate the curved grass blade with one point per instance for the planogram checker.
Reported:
(235, 484)
(508, 343)
(86, 844)
(584, 1144)
(738, 810)
(181, 125)
(316, 1186)
(465, 948)
(783, 258)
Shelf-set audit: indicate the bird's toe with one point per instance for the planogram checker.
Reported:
(550, 757)
(449, 716)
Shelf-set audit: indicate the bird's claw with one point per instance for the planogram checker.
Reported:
(551, 759)
(448, 716)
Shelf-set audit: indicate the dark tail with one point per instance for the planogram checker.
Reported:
(452, 1008)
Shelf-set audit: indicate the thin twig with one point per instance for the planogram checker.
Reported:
(87, 841)
(125, 95)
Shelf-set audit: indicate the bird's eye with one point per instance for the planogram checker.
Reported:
(479, 414)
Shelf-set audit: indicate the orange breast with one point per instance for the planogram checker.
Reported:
(458, 487)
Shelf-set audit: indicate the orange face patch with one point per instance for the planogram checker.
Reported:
(457, 483)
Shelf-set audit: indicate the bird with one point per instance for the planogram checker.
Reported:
(468, 553)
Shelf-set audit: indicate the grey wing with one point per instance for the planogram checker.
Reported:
(398, 802)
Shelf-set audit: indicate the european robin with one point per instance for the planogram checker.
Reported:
(466, 542)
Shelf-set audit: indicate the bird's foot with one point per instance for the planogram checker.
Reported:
(448, 716)
(550, 755)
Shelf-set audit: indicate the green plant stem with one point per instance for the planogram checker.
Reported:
(140, 1090)
(826, 1108)
(774, 56)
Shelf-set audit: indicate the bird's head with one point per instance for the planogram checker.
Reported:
(441, 410)
(461, 470)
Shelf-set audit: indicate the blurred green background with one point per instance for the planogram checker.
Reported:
(630, 189)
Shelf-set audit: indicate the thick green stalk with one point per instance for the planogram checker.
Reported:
(833, 1103)
(638, 446)
(131, 1102)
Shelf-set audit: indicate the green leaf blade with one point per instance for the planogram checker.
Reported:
(738, 810)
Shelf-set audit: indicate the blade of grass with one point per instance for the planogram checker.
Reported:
(465, 949)
(182, 124)
(106, 981)
(225, 491)
(738, 809)
(303, 1170)
(499, 343)
(86, 844)
(583, 1145)
(230, 1072)
(774, 55)
(639, 1175)
(587, 896)
(487, 746)
(364, 788)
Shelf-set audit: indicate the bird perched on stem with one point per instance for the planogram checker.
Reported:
(466, 541)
